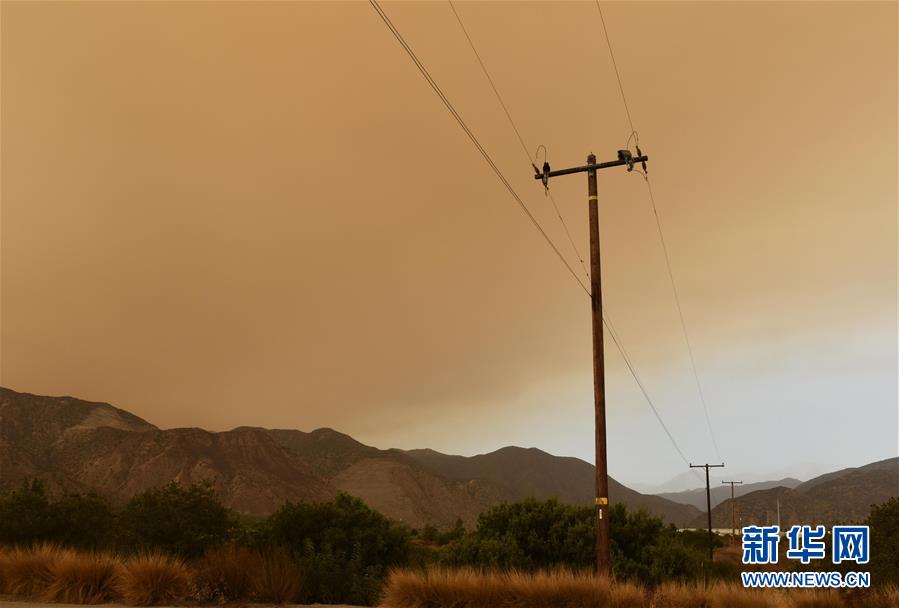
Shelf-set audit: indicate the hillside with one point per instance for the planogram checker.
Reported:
(841, 496)
(719, 494)
(79, 446)
(532, 472)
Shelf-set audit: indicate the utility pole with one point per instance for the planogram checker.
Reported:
(733, 512)
(708, 502)
(603, 556)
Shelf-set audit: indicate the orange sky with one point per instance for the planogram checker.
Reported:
(223, 214)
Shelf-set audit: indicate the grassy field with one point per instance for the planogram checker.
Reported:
(562, 589)
(47, 573)
(230, 575)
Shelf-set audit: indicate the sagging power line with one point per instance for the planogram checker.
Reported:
(634, 135)
(524, 147)
(473, 138)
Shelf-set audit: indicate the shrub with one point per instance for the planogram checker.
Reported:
(280, 580)
(154, 579)
(84, 578)
(81, 521)
(226, 574)
(29, 571)
(532, 535)
(24, 515)
(884, 535)
(343, 548)
(527, 535)
(183, 521)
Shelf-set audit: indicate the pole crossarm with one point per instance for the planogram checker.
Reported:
(594, 167)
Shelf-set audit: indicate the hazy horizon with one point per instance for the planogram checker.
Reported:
(229, 214)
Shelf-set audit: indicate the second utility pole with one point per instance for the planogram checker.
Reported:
(625, 158)
(733, 510)
(708, 502)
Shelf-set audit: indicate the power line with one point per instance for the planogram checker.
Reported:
(521, 204)
(471, 136)
(524, 146)
(627, 361)
(683, 324)
(615, 65)
(705, 409)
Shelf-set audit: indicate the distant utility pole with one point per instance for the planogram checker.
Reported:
(733, 511)
(603, 555)
(708, 502)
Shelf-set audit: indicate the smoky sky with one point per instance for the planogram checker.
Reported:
(224, 214)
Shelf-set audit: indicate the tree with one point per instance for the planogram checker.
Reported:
(343, 547)
(534, 534)
(528, 535)
(184, 521)
(84, 522)
(884, 530)
(24, 515)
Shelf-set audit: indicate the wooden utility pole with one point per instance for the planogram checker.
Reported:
(733, 509)
(708, 502)
(603, 555)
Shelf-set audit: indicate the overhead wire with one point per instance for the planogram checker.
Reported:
(634, 135)
(499, 174)
(524, 146)
(606, 319)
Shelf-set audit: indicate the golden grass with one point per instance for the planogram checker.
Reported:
(280, 579)
(29, 571)
(84, 578)
(154, 579)
(226, 574)
(468, 588)
(50, 573)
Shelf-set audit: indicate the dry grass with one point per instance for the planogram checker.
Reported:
(280, 580)
(467, 588)
(84, 578)
(29, 572)
(226, 574)
(154, 579)
(735, 596)
(675, 595)
(817, 598)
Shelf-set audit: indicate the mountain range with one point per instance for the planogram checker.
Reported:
(80, 446)
(846, 495)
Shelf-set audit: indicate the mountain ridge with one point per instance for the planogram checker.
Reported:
(80, 446)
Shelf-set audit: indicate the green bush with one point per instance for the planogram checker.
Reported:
(25, 515)
(343, 548)
(178, 520)
(82, 521)
(527, 535)
(533, 535)
(884, 524)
